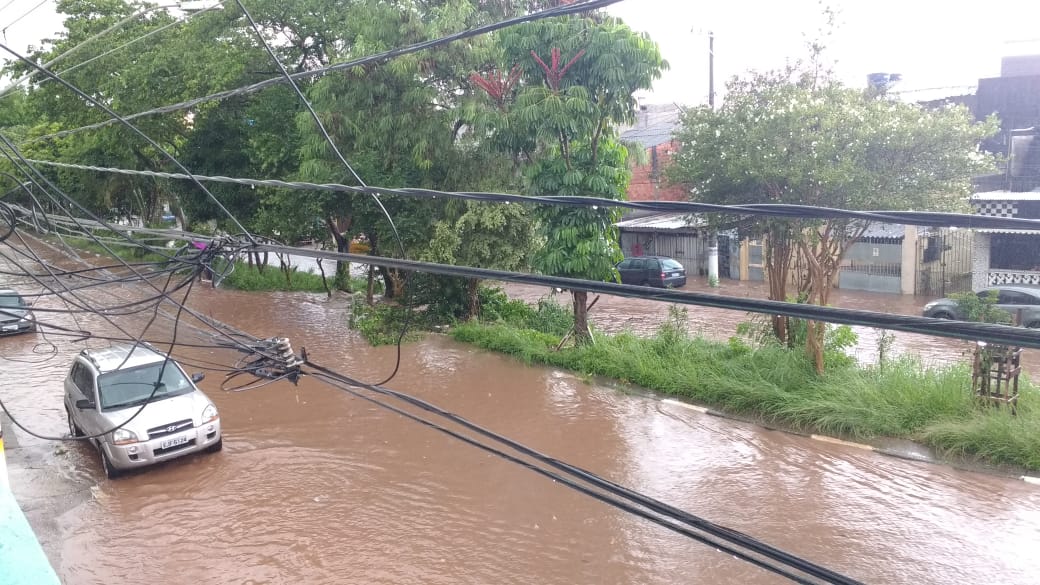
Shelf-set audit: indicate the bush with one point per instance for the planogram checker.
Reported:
(981, 309)
(547, 316)
(382, 324)
(837, 340)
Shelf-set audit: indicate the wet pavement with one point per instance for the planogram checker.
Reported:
(315, 486)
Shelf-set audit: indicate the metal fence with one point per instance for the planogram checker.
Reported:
(944, 262)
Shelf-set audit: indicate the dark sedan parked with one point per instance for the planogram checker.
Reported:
(652, 271)
(15, 316)
(1022, 302)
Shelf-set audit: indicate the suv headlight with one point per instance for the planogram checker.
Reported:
(930, 305)
(209, 414)
(123, 437)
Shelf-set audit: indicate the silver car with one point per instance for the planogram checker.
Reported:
(1022, 302)
(106, 387)
(15, 316)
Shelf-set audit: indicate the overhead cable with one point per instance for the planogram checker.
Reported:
(343, 160)
(779, 210)
(79, 46)
(1002, 334)
(606, 491)
(97, 103)
(15, 21)
(561, 10)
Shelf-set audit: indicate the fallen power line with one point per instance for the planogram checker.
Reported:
(1002, 334)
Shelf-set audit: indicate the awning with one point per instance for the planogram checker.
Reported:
(663, 222)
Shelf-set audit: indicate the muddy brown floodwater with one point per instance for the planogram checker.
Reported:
(315, 486)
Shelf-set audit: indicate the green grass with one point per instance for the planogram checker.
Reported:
(779, 385)
(124, 251)
(272, 278)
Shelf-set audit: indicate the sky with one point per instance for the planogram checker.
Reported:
(931, 43)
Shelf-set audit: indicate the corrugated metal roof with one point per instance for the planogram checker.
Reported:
(885, 230)
(651, 136)
(654, 126)
(662, 222)
(999, 231)
(1007, 196)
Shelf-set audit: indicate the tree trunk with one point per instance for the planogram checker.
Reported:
(778, 266)
(472, 294)
(822, 258)
(582, 334)
(342, 280)
(393, 282)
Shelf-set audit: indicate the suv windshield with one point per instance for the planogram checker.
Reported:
(123, 388)
(10, 301)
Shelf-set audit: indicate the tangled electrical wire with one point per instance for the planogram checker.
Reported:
(267, 361)
(168, 283)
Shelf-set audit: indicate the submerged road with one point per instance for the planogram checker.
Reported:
(314, 486)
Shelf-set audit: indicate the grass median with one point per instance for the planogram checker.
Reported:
(903, 399)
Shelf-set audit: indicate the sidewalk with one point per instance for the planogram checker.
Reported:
(22, 561)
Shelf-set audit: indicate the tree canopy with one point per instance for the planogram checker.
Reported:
(795, 137)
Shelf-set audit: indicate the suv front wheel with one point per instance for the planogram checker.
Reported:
(110, 471)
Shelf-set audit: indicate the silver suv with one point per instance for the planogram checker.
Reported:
(106, 387)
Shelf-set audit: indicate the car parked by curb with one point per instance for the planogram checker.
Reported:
(1022, 302)
(657, 271)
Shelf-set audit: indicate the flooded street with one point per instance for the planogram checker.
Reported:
(315, 486)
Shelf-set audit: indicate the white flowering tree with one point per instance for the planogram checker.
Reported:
(792, 137)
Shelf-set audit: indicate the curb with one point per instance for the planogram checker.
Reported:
(833, 440)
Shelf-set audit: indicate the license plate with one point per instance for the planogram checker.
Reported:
(173, 442)
(675, 274)
(10, 328)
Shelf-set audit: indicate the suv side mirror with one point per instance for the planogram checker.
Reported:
(198, 377)
(84, 404)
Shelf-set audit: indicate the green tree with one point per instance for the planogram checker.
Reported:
(797, 137)
(402, 123)
(177, 61)
(579, 74)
